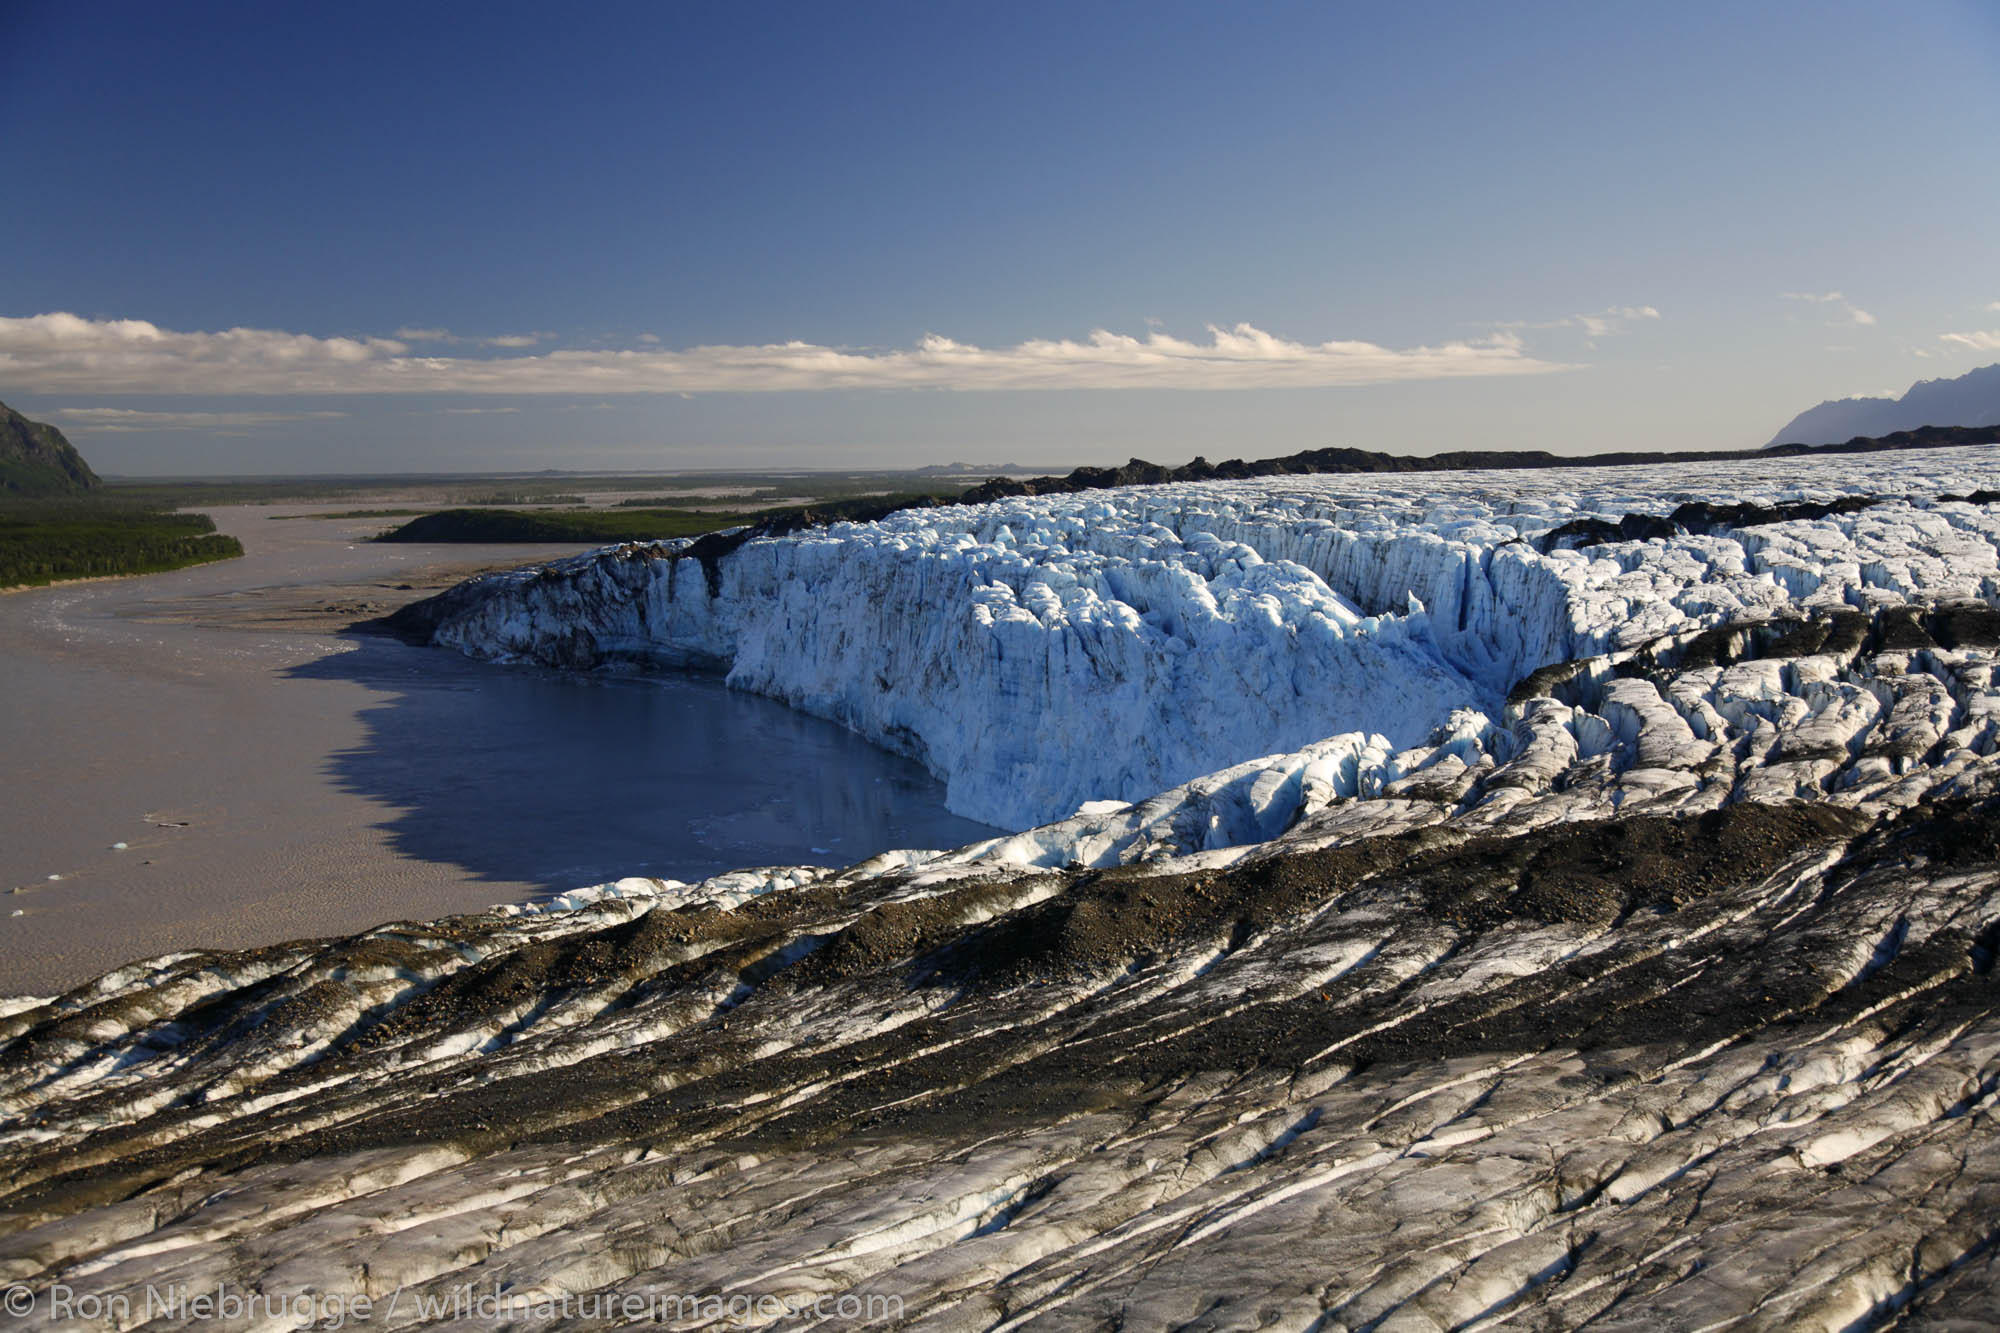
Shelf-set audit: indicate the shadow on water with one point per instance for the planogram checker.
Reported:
(522, 774)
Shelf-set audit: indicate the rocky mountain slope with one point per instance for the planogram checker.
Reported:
(1971, 399)
(1651, 985)
(35, 459)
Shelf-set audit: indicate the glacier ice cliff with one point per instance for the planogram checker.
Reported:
(1045, 652)
(1634, 968)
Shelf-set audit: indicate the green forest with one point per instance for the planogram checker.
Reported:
(46, 541)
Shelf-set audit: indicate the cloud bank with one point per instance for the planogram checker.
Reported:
(113, 419)
(410, 335)
(1604, 323)
(67, 353)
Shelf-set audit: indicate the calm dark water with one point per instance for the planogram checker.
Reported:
(524, 774)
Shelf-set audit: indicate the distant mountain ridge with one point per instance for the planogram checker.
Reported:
(956, 469)
(35, 459)
(1972, 399)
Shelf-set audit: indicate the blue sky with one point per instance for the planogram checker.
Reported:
(509, 236)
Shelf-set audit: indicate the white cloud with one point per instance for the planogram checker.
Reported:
(62, 352)
(1993, 307)
(112, 419)
(1614, 320)
(1979, 340)
(1599, 324)
(1851, 315)
(477, 411)
(446, 336)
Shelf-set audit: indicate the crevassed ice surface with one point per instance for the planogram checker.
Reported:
(1043, 652)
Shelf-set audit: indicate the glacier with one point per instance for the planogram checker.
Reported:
(1041, 653)
(1518, 931)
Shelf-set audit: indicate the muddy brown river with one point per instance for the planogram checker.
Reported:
(273, 775)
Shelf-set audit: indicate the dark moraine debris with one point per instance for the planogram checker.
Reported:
(710, 550)
(718, 1087)
(1843, 634)
(417, 622)
(1099, 925)
(1900, 629)
(1962, 625)
(1547, 680)
(1697, 517)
